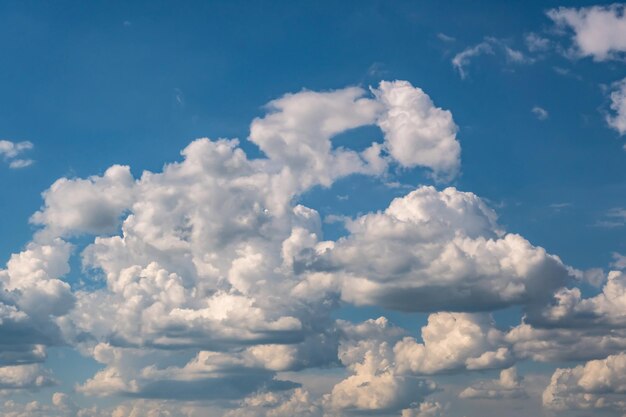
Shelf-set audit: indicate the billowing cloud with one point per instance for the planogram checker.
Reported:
(435, 250)
(207, 283)
(598, 31)
(594, 386)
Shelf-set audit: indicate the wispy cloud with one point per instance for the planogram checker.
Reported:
(489, 46)
(11, 152)
(615, 217)
(540, 113)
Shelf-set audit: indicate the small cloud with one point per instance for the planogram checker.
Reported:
(536, 43)
(10, 151)
(619, 261)
(515, 56)
(127, 23)
(559, 206)
(463, 58)
(617, 120)
(445, 38)
(20, 163)
(540, 113)
(616, 217)
(333, 218)
(489, 46)
(179, 97)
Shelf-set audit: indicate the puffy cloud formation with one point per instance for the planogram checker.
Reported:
(453, 341)
(416, 132)
(295, 403)
(206, 283)
(509, 385)
(617, 120)
(599, 31)
(605, 309)
(296, 134)
(437, 250)
(596, 385)
(24, 376)
(93, 205)
(11, 151)
(200, 263)
(386, 367)
(558, 344)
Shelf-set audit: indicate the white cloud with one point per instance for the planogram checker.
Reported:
(461, 60)
(425, 409)
(596, 385)
(453, 341)
(617, 120)
(24, 376)
(509, 385)
(540, 113)
(11, 150)
(416, 132)
(93, 205)
(489, 46)
(599, 31)
(433, 250)
(608, 308)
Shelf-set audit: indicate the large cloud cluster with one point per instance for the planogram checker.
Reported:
(208, 282)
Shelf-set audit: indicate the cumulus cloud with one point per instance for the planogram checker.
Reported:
(598, 31)
(509, 385)
(208, 282)
(570, 309)
(91, 205)
(594, 386)
(387, 368)
(435, 250)
(11, 152)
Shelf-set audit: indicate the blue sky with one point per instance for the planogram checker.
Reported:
(531, 94)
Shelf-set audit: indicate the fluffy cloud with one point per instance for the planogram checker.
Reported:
(453, 341)
(206, 282)
(386, 367)
(93, 205)
(10, 152)
(436, 250)
(24, 376)
(599, 31)
(509, 385)
(416, 132)
(33, 302)
(570, 309)
(596, 385)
